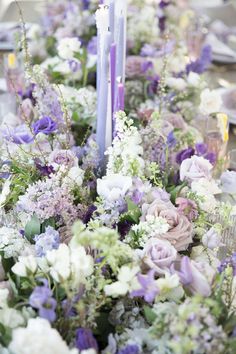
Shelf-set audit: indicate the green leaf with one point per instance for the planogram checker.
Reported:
(46, 223)
(32, 228)
(149, 314)
(133, 214)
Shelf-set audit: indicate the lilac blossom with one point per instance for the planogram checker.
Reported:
(129, 349)
(42, 300)
(149, 289)
(228, 262)
(47, 241)
(85, 339)
(44, 125)
(201, 64)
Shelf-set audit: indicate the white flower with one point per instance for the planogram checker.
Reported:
(113, 187)
(206, 189)
(195, 168)
(81, 265)
(204, 186)
(11, 318)
(5, 192)
(3, 297)
(193, 79)
(37, 338)
(74, 177)
(88, 351)
(67, 47)
(59, 262)
(211, 101)
(126, 282)
(212, 239)
(176, 83)
(25, 265)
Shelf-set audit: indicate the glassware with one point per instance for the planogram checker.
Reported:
(217, 134)
(232, 160)
(228, 240)
(14, 73)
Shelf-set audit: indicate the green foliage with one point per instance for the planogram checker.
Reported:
(133, 214)
(32, 228)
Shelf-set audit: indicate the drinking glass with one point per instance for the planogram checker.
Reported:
(216, 135)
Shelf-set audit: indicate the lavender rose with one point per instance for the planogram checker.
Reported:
(195, 168)
(180, 232)
(44, 125)
(63, 157)
(159, 255)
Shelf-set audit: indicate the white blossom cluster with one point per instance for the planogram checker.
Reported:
(125, 155)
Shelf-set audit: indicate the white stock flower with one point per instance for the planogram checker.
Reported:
(67, 47)
(5, 192)
(178, 84)
(206, 189)
(11, 318)
(126, 282)
(211, 101)
(113, 187)
(81, 265)
(74, 178)
(25, 265)
(37, 338)
(3, 297)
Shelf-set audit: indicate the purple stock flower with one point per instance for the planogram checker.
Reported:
(185, 273)
(129, 349)
(42, 300)
(184, 154)
(200, 65)
(74, 65)
(85, 339)
(163, 4)
(162, 23)
(89, 213)
(19, 135)
(149, 289)
(44, 125)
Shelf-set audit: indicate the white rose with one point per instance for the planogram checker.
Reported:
(211, 101)
(67, 47)
(195, 168)
(37, 338)
(113, 187)
(25, 265)
(176, 83)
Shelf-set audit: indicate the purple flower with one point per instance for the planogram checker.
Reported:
(19, 135)
(228, 262)
(201, 150)
(85, 340)
(196, 276)
(171, 140)
(42, 300)
(149, 289)
(200, 65)
(86, 4)
(92, 46)
(129, 349)
(74, 65)
(184, 154)
(44, 170)
(162, 23)
(188, 208)
(44, 125)
(47, 241)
